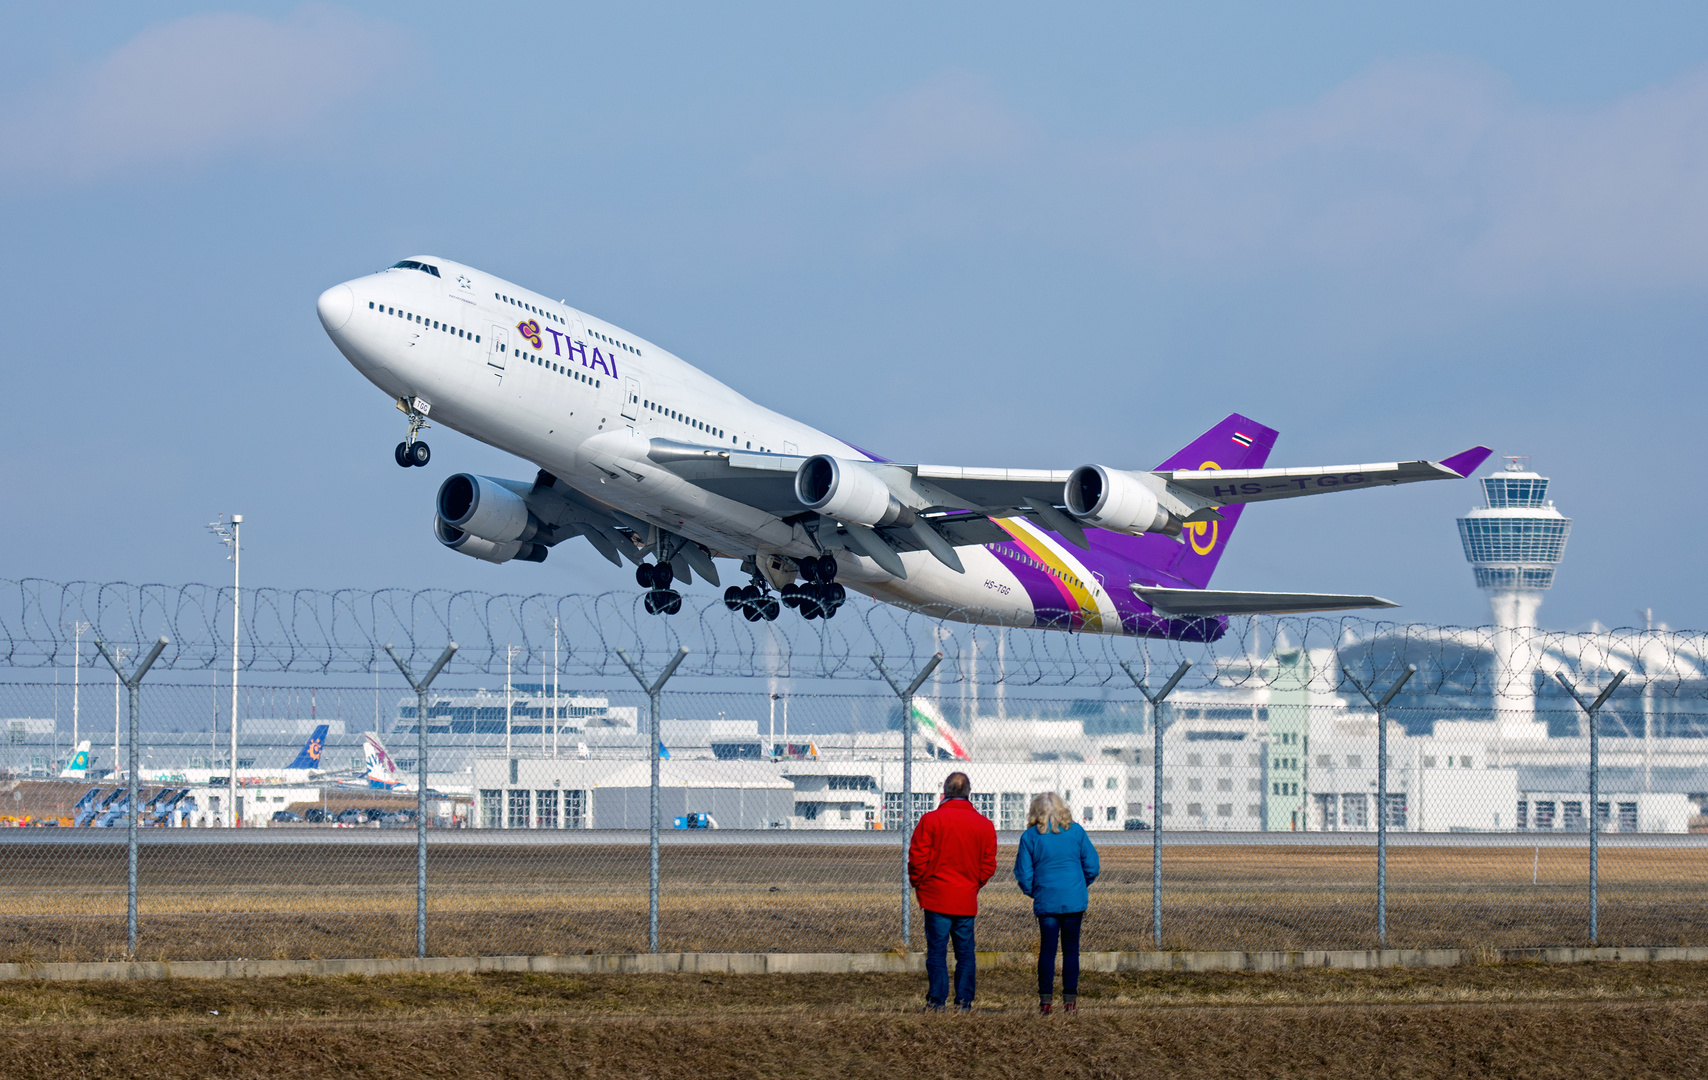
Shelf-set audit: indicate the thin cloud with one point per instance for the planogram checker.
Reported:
(1430, 169)
(947, 123)
(186, 91)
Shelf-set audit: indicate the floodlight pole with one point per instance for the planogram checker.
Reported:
(132, 682)
(1156, 701)
(230, 535)
(420, 689)
(906, 695)
(1381, 708)
(653, 691)
(1590, 709)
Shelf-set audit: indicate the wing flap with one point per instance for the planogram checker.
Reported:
(1228, 602)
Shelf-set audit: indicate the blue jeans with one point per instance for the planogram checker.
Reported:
(939, 929)
(1050, 928)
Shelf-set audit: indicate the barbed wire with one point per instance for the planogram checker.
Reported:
(301, 631)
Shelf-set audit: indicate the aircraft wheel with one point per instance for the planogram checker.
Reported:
(671, 603)
(650, 601)
(826, 568)
(836, 594)
(662, 576)
(769, 609)
(643, 575)
(750, 613)
(734, 598)
(808, 569)
(792, 594)
(419, 454)
(401, 454)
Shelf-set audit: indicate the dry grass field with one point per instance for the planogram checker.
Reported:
(66, 902)
(1633, 1020)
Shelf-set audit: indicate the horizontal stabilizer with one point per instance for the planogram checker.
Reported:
(1224, 602)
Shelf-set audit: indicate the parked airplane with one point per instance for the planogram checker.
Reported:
(654, 461)
(78, 767)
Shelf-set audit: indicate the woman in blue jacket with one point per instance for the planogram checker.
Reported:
(1055, 865)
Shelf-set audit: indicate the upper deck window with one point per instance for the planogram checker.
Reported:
(411, 264)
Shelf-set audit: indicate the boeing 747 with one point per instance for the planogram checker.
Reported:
(653, 461)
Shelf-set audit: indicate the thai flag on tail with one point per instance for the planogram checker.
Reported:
(1242, 438)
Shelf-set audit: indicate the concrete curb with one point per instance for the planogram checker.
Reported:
(833, 963)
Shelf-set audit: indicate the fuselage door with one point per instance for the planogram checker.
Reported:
(499, 347)
(631, 398)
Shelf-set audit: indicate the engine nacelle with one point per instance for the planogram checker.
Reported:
(484, 507)
(845, 491)
(1114, 500)
(487, 550)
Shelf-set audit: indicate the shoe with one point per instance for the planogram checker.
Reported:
(933, 1006)
(964, 1006)
(1071, 1008)
(1043, 1008)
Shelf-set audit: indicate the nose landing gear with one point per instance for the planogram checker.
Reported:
(412, 451)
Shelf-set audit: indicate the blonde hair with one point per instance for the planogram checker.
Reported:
(1049, 813)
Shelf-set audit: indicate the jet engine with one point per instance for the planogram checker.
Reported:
(485, 508)
(1113, 500)
(845, 491)
(475, 547)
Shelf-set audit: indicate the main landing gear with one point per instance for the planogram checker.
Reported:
(752, 602)
(412, 451)
(820, 596)
(660, 599)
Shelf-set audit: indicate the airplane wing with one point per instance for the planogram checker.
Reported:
(952, 497)
(1232, 486)
(1224, 602)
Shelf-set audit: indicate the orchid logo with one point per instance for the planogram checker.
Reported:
(530, 329)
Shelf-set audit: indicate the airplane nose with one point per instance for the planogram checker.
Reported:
(336, 305)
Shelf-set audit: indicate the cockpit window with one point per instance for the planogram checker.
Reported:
(411, 264)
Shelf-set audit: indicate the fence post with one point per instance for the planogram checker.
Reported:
(1594, 797)
(133, 682)
(1156, 700)
(1381, 708)
(652, 694)
(420, 689)
(906, 695)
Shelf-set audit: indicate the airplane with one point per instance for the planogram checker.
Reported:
(654, 461)
(78, 767)
(302, 768)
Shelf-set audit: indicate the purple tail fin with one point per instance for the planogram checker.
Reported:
(1238, 442)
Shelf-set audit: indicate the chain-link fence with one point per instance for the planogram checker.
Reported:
(1296, 805)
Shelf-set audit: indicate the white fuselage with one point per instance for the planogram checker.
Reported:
(583, 399)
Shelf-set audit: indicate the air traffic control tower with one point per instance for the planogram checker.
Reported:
(1513, 544)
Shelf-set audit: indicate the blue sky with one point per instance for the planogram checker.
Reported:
(972, 234)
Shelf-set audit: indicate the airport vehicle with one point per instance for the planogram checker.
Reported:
(286, 816)
(654, 461)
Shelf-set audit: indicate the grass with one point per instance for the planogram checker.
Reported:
(66, 902)
(1506, 1020)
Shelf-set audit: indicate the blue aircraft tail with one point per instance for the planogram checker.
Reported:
(309, 756)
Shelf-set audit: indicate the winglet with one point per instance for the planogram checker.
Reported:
(1465, 463)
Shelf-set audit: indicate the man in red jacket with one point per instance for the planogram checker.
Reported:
(951, 856)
